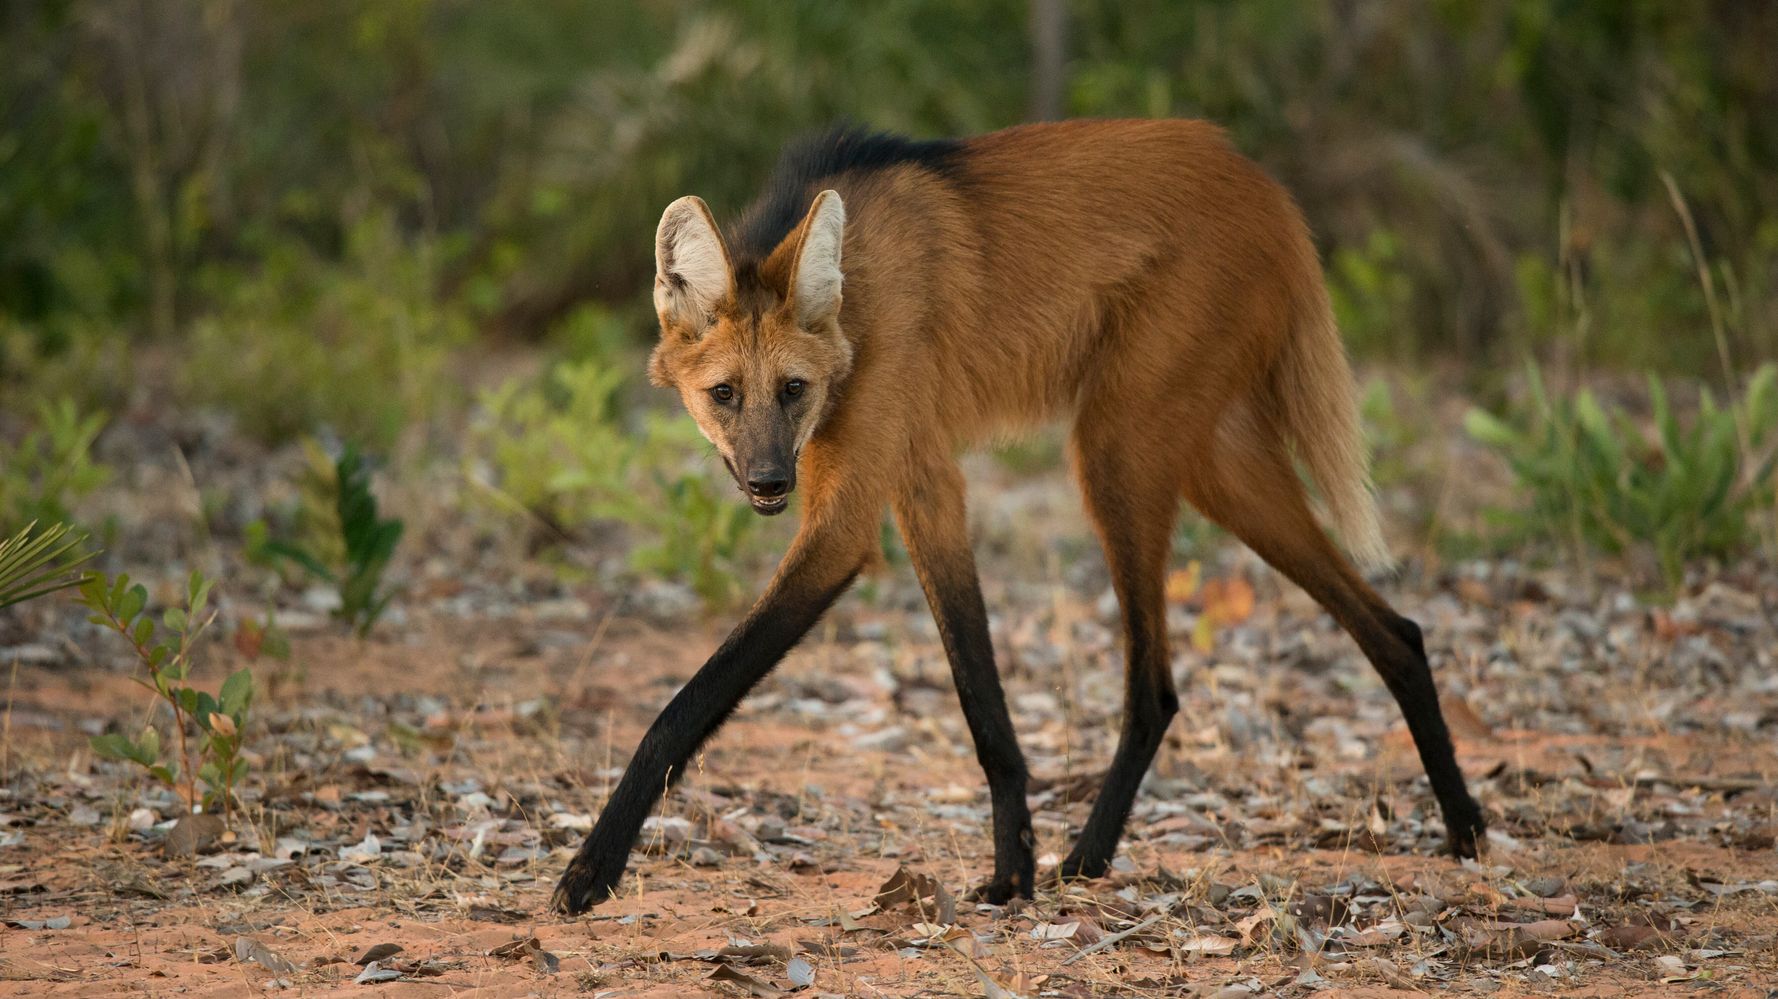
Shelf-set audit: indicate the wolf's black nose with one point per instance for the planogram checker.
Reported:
(766, 485)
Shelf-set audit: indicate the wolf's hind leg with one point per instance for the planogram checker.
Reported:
(1251, 489)
(1132, 496)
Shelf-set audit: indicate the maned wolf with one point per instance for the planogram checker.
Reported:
(888, 303)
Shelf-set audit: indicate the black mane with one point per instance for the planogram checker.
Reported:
(804, 161)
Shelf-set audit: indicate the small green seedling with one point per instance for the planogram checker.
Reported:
(367, 544)
(218, 721)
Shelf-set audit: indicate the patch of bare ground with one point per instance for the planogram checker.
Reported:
(413, 796)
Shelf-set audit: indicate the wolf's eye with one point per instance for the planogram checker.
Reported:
(723, 393)
(793, 387)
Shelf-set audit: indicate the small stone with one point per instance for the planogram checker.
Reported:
(889, 740)
(665, 602)
(1545, 887)
(193, 834)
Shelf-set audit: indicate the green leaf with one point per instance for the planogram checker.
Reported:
(237, 694)
(120, 585)
(1489, 429)
(34, 563)
(130, 603)
(92, 591)
(301, 557)
(115, 746)
(197, 594)
(175, 620)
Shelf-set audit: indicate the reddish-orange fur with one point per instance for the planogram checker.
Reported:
(1142, 277)
(1139, 278)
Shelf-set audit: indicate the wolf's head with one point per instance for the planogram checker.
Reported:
(757, 358)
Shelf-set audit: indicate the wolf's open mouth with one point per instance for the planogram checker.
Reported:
(769, 505)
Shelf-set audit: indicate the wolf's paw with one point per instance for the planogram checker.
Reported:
(1001, 890)
(1078, 867)
(589, 880)
(1466, 831)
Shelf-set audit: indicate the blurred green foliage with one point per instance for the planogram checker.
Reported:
(310, 212)
(1595, 478)
(51, 468)
(312, 191)
(358, 347)
(560, 449)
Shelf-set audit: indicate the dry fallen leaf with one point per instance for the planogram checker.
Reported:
(249, 950)
(1055, 931)
(377, 953)
(1209, 945)
(374, 973)
(800, 972)
(760, 953)
(908, 886)
(1631, 937)
(1182, 584)
(515, 949)
(1228, 601)
(754, 986)
(1516, 941)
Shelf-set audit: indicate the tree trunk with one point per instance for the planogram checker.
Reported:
(1049, 26)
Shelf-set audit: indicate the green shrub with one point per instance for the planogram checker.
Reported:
(1389, 434)
(84, 364)
(559, 450)
(359, 347)
(1593, 480)
(1372, 294)
(557, 447)
(51, 468)
(218, 721)
(699, 536)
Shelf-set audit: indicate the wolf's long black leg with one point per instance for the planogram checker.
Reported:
(812, 577)
(1136, 533)
(1285, 534)
(935, 527)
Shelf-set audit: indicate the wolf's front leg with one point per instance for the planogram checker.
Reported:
(935, 525)
(819, 566)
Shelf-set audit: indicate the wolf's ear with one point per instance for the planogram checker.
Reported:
(815, 280)
(691, 266)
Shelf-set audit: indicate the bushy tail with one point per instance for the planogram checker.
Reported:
(1320, 405)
